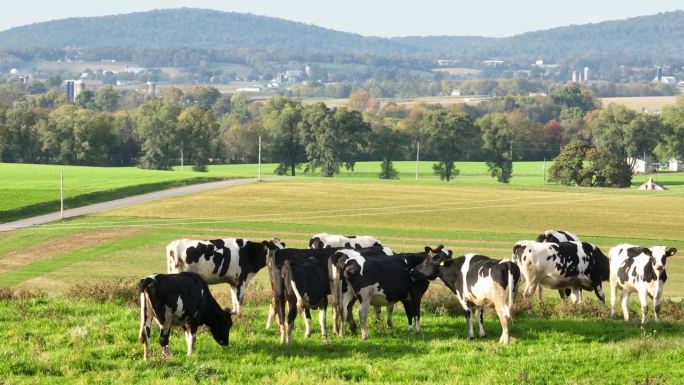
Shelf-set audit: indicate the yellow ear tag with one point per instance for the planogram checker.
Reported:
(441, 263)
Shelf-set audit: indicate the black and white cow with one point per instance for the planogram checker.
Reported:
(477, 281)
(232, 261)
(578, 265)
(302, 261)
(378, 280)
(185, 299)
(641, 270)
(325, 240)
(558, 236)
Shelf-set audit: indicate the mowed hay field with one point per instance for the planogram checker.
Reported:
(85, 329)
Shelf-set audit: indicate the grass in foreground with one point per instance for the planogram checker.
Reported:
(90, 341)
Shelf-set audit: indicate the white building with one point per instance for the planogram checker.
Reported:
(644, 166)
(675, 165)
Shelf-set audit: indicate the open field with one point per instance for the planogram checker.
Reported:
(92, 340)
(22, 196)
(642, 103)
(443, 100)
(32, 189)
(459, 71)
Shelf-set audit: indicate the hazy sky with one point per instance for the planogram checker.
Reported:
(371, 17)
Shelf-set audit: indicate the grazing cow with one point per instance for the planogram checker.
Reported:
(641, 270)
(378, 280)
(578, 265)
(233, 261)
(325, 240)
(182, 298)
(558, 236)
(308, 279)
(477, 281)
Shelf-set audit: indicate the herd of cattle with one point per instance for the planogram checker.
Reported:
(360, 268)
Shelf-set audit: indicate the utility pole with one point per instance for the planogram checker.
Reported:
(417, 159)
(182, 144)
(259, 179)
(61, 195)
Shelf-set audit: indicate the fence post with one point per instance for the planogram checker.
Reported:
(417, 158)
(61, 195)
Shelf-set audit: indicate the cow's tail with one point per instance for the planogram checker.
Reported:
(142, 288)
(511, 291)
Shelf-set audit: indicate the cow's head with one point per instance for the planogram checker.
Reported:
(659, 255)
(220, 328)
(429, 268)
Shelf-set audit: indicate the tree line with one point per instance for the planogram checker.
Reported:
(203, 127)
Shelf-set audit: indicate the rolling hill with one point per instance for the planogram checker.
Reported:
(646, 38)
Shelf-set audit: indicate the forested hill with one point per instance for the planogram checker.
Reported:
(652, 37)
(646, 38)
(188, 27)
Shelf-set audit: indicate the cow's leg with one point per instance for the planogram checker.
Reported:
(657, 298)
(146, 317)
(643, 299)
(390, 312)
(480, 318)
(190, 333)
(279, 303)
(345, 310)
(291, 315)
(505, 323)
(408, 309)
(165, 332)
(416, 297)
(363, 315)
(350, 313)
(575, 295)
(307, 322)
(271, 314)
(469, 318)
(540, 294)
(625, 309)
(322, 321)
(234, 300)
(613, 295)
(378, 313)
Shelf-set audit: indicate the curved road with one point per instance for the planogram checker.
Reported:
(123, 202)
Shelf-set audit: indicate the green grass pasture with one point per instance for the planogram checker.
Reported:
(62, 339)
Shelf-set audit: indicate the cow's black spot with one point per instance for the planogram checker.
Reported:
(634, 252)
(193, 253)
(240, 242)
(649, 273)
(218, 243)
(226, 262)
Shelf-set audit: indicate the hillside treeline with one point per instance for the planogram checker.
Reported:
(203, 126)
(187, 36)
